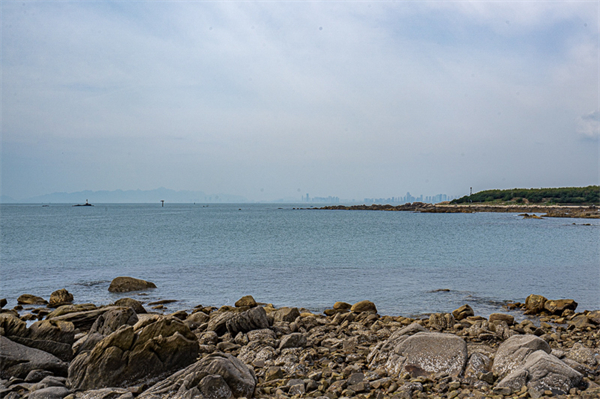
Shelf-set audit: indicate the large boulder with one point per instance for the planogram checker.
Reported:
(18, 360)
(145, 352)
(52, 336)
(246, 301)
(513, 353)
(12, 325)
(557, 307)
(110, 321)
(59, 298)
(252, 319)
(422, 354)
(364, 306)
(534, 304)
(541, 372)
(127, 284)
(132, 303)
(202, 379)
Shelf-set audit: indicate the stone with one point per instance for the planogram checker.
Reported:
(534, 304)
(131, 303)
(53, 392)
(294, 340)
(477, 365)
(129, 355)
(497, 317)
(12, 325)
(594, 317)
(28, 299)
(263, 335)
(65, 309)
(218, 321)
(559, 306)
(110, 321)
(127, 284)
(583, 355)
(364, 306)
(59, 298)
(213, 386)
(238, 377)
(580, 321)
(82, 320)
(286, 314)
(513, 353)
(273, 373)
(342, 306)
(463, 312)
(252, 319)
(441, 321)
(37, 375)
(52, 336)
(246, 301)
(195, 320)
(3, 302)
(18, 360)
(422, 354)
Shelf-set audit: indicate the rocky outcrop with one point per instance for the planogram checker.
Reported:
(253, 319)
(128, 355)
(127, 284)
(82, 320)
(513, 353)
(111, 320)
(217, 376)
(18, 360)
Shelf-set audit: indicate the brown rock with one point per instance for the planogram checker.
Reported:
(559, 306)
(534, 304)
(127, 284)
(463, 312)
(342, 306)
(594, 317)
(131, 303)
(3, 303)
(247, 300)
(28, 299)
(496, 317)
(364, 306)
(59, 298)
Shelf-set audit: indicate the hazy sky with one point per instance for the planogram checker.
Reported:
(277, 99)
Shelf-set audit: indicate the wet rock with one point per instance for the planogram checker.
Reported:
(364, 306)
(18, 360)
(28, 299)
(127, 356)
(191, 381)
(463, 312)
(131, 303)
(59, 298)
(127, 284)
(246, 301)
(513, 353)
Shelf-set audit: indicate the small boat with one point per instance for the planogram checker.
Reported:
(86, 204)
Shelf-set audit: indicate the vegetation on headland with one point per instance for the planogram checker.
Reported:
(549, 196)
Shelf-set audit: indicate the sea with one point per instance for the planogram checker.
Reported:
(407, 263)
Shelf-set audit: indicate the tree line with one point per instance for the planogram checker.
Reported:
(562, 195)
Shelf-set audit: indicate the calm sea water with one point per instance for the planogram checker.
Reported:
(214, 255)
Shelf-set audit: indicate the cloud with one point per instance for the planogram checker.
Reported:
(588, 125)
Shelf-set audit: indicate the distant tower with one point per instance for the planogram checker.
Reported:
(162, 202)
(307, 198)
(471, 192)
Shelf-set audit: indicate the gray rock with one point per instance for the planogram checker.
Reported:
(37, 375)
(213, 386)
(513, 353)
(195, 320)
(106, 393)
(285, 314)
(582, 355)
(53, 392)
(423, 354)
(110, 321)
(82, 320)
(218, 321)
(18, 360)
(478, 363)
(294, 340)
(239, 378)
(252, 319)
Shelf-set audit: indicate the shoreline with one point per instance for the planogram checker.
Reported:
(256, 350)
(564, 211)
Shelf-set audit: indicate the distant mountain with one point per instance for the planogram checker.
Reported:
(5, 199)
(133, 196)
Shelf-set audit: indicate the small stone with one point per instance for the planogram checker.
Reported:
(273, 373)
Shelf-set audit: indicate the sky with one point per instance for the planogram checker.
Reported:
(277, 99)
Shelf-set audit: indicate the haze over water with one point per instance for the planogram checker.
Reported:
(289, 257)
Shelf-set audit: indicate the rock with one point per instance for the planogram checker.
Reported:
(218, 321)
(423, 354)
(37, 375)
(27, 299)
(12, 325)
(132, 303)
(559, 306)
(54, 337)
(238, 377)
(110, 321)
(82, 320)
(18, 360)
(342, 306)
(534, 304)
(294, 340)
(583, 355)
(497, 317)
(542, 372)
(127, 284)
(594, 317)
(513, 353)
(273, 373)
(253, 319)
(127, 356)
(195, 320)
(49, 393)
(441, 321)
(65, 309)
(463, 312)
(59, 298)
(286, 314)
(364, 306)
(246, 301)
(106, 393)
(477, 365)
(3, 303)
(580, 321)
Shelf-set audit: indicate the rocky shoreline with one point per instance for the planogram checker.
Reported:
(555, 211)
(254, 350)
